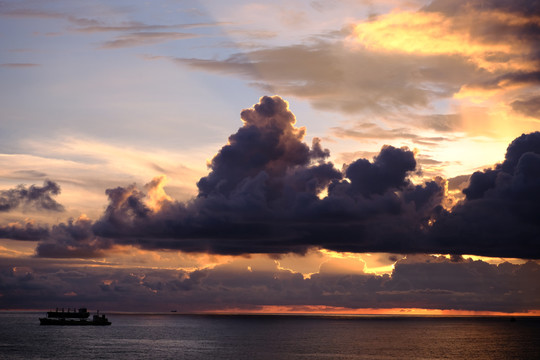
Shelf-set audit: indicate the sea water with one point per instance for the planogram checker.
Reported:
(176, 336)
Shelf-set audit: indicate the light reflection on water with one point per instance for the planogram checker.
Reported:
(272, 337)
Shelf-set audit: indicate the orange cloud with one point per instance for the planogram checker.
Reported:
(156, 196)
(433, 33)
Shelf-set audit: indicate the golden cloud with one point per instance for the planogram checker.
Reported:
(433, 33)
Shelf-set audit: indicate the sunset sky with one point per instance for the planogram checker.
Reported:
(286, 156)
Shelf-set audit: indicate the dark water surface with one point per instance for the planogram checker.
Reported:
(272, 337)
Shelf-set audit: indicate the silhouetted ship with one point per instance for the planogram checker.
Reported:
(73, 318)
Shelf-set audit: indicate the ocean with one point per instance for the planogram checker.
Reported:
(177, 336)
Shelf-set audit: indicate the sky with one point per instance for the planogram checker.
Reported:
(290, 156)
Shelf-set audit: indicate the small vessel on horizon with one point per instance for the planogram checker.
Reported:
(75, 318)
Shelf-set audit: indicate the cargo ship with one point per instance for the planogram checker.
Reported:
(73, 318)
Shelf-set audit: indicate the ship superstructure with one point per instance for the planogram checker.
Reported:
(74, 318)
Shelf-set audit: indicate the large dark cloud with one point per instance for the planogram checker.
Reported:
(262, 196)
(417, 282)
(268, 142)
(269, 192)
(33, 197)
(500, 215)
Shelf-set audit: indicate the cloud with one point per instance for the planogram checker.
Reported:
(264, 195)
(441, 122)
(137, 27)
(471, 284)
(498, 216)
(45, 14)
(134, 33)
(454, 8)
(501, 39)
(375, 132)
(268, 142)
(495, 35)
(458, 182)
(336, 76)
(439, 58)
(144, 38)
(416, 282)
(28, 231)
(30, 174)
(33, 197)
(269, 192)
(73, 240)
(529, 107)
(388, 171)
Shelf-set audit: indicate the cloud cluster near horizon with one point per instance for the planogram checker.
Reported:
(424, 281)
(269, 192)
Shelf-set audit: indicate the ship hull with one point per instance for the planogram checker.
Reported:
(66, 322)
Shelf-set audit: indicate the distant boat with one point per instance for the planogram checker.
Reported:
(75, 318)
(173, 310)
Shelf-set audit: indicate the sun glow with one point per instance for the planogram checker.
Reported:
(432, 33)
(342, 311)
